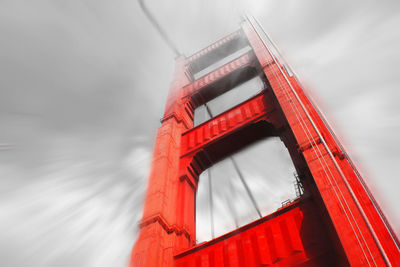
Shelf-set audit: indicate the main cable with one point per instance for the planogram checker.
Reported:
(358, 175)
(336, 166)
(315, 145)
(158, 27)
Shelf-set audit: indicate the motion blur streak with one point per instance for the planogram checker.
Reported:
(80, 105)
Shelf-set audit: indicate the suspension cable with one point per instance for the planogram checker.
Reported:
(158, 27)
(231, 207)
(236, 167)
(301, 122)
(211, 203)
(358, 175)
(246, 186)
(339, 170)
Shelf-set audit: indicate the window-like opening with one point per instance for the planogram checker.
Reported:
(222, 62)
(269, 173)
(229, 99)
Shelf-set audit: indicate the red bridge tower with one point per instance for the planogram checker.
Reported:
(336, 222)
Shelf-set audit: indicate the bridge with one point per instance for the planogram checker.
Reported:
(335, 221)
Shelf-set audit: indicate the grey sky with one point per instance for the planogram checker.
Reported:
(82, 89)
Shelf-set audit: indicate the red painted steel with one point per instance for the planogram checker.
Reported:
(335, 223)
(287, 237)
(222, 125)
(163, 230)
(353, 230)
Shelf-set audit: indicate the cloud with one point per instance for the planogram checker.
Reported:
(83, 86)
(80, 214)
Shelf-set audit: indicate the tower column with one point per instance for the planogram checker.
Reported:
(163, 228)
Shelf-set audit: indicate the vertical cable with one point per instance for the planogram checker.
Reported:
(231, 187)
(210, 197)
(246, 187)
(211, 203)
(358, 175)
(230, 204)
(366, 220)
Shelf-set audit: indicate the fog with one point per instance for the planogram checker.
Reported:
(82, 90)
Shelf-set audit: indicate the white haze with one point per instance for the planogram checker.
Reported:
(82, 89)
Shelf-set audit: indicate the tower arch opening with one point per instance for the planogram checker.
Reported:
(269, 172)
